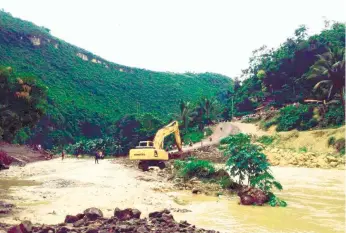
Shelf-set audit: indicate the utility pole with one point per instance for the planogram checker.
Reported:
(232, 107)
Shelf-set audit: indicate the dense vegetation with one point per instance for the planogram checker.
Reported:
(301, 68)
(22, 102)
(87, 93)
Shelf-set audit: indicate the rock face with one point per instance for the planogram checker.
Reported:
(159, 221)
(83, 56)
(36, 41)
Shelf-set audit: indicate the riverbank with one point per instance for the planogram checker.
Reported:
(299, 148)
(58, 188)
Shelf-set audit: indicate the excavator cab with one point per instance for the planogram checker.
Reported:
(145, 144)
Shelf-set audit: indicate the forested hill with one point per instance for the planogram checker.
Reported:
(303, 67)
(87, 92)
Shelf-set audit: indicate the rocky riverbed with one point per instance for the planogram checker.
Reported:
(93, 221)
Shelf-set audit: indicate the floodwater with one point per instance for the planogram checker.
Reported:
(315, 197)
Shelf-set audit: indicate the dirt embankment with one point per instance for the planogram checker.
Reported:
(299, 148)
(22, 154)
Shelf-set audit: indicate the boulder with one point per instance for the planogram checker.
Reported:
(79, 223)
(93, 213)
(24, 227)
(127, 214)
(71, 219)
(246, 200)
(158, 214)
(196, 191)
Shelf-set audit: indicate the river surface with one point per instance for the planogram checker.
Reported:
(315, 197)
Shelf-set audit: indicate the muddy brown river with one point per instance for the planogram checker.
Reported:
(315, 197)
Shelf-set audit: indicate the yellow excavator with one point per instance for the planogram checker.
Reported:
(151, 153)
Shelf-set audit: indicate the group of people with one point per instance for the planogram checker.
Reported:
(98, 155)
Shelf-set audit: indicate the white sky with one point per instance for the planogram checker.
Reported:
(176, 35)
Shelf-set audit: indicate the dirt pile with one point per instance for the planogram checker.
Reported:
(92, 221)
(22, 154)
(282, 157)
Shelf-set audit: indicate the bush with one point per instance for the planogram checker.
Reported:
(334, 116)
(267, 124)
(193, 135)
(236, 140)
(266, 140)
(331, 141)
(303, 149)
(107, 145)
(340, 145)
(296, 117)
(194, 167)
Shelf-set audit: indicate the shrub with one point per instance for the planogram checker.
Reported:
(193, 136)
(339, 145)
(226, 182)
(267, 124)
(266, 140)
(296, 117)
(194, 167)
(245, 159)
(334, 116)
(303, 149)
(331, 141)
(108, 145)
(236, 140)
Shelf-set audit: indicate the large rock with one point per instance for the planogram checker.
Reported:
(126, 214)
(158, 214)
(250, 195)
(71, 219)
(24, 227)
(246, 199)
(93, 213)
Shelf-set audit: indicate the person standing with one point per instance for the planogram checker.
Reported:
(97, 157)
(62, 155)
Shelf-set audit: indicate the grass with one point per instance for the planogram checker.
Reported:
(266, 140)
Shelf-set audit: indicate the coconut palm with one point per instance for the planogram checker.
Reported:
(208, 106)
(186, 109)
(330, 70)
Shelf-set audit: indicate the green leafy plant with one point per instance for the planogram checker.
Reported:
(244, 159)
(296, 117)
(331, 141)
(266, 140)
(194, 167)
(303, 149)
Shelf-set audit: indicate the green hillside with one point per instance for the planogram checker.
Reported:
(85, 91)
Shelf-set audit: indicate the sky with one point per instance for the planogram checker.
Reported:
(177, 35)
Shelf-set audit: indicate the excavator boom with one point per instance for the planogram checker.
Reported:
(164, 132)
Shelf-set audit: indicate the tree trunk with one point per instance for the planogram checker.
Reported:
(342, 95)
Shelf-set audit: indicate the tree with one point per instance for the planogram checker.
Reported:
(208, 107)
(23, 101)
(185, 113)
(330, 67)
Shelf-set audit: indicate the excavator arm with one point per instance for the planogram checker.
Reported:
(164, 132)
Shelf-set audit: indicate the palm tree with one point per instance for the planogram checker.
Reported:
(330, 67)
(185, 113)
(208, 106)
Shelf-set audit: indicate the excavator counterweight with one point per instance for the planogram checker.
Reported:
(151, 153)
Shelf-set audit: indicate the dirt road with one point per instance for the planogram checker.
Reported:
(220, 131)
